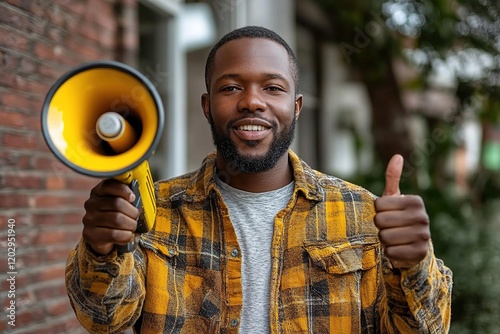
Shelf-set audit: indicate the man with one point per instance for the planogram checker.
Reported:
(255, 241)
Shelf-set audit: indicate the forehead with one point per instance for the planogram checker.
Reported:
(252, 55)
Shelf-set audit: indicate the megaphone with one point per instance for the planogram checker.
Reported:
(105, 119)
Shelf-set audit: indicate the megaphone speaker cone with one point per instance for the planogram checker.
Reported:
(81, 97)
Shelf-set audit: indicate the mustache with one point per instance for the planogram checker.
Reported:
(250, 116)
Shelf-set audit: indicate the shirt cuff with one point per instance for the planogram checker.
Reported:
(92, 263)
(397, 281)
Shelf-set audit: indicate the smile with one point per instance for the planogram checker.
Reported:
(251, 128)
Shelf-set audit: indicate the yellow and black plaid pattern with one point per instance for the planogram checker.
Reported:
(328, 272)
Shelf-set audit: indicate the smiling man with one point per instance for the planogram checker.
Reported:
(255, 241)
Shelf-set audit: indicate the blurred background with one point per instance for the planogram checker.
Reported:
(419, 78)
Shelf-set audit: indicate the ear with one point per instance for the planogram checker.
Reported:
(205, 105)
(298, 105)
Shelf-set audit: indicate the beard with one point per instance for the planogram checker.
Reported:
(227, 148)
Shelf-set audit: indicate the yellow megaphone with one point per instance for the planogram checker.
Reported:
(105, 119)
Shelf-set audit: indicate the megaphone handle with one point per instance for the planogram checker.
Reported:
(132, 245)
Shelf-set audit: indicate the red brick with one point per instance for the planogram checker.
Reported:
(16, 3)
(61, 254)
(47, 219)
(49, 11)
(50, 327)
(19, 120)
(24, 141)
(27, 65)
(21, 281)
(46, 51)
(75, 7)
(58, 306)
(17, 160)
(10, 201)
(21, 181)
(49, 164)
(49, 200)
(13, 40)
(55, 34)
(8, 60)
(14, 18)
(8, 80)
(51, 292)
(50, 72)
(36, 87)
(32, 259)
(50, 272)
(19, 100)
(34, 314)
(83, 183)
(55, 182)
(4, 218)
(50, 238)
(73, 218)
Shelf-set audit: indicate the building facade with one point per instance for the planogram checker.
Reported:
(41, 200)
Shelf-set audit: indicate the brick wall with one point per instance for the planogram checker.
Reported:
(41, 198)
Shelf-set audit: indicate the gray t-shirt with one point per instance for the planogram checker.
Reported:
(252, 215)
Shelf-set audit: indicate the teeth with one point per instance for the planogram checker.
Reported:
(251, 128)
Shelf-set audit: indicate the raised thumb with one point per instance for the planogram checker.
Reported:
(393, 176)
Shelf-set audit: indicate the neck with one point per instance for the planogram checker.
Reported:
(277, 177)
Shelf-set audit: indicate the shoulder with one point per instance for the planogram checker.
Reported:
(328, 186)
(335, 184)
(173, 189)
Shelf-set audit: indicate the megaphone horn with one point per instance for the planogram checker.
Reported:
(105, 119)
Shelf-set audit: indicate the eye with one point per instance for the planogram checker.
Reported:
(275, 89)
(229, 89)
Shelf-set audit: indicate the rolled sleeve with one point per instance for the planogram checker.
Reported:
(422, 292)
(106, 292)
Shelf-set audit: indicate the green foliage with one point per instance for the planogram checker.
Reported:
(465, 229)
(465, 223)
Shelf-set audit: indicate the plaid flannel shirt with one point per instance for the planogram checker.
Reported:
(328, 271)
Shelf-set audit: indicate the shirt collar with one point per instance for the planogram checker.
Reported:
(202, 183)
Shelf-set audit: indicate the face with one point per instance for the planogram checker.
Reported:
(252, 106)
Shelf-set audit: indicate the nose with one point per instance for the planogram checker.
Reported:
(251, 101)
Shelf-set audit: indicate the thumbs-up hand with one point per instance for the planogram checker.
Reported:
(402, 221)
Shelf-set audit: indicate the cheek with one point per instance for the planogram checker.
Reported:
(285, 113)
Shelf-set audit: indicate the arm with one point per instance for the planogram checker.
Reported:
(417, 296)
(106, 290)
(417, 299)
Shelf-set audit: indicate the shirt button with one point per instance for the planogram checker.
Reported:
(234, 253)
(234, 322)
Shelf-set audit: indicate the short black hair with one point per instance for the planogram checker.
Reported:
(251, 32)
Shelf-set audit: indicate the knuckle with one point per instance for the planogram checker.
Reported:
(382, 235)
(120, 236)
(425, 235)
(88, 235)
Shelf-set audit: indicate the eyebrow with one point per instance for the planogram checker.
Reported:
(237, 76)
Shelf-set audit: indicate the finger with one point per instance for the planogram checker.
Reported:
(110, 219)
(403, 236)
(393, 176)
(118, 204)
(104, 235)
(112, 187)
(393, 203)
(392, 219)
(412, 253)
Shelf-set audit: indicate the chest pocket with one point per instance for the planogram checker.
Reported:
(342, 258)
